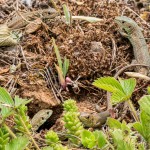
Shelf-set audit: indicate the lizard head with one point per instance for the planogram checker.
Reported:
(126, 25)
(89, 119)
(40, 117)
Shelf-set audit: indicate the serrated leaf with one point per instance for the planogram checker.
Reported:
(138, 126)
(5, 97)
(18, 143)
(6, 103)
(57, 54)
(108, 83)
(113, 123)
(65, 66)
(144, 103)
(118, 97)
(128, 86)
(5, 111)
(100, 138)
(88, 139)
(20, 101)
(67, 14)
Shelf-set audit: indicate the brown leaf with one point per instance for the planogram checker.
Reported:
(33, 26)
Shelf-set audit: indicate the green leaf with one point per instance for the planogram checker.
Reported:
(20, 101)
(4, 138)
(47, 148)
(118, 97)
(6, 103)
(88, 139)
(125, 128)
(144, 103)
(57, 54)
(145, 120)
(113, 123)
(65, 66)
(5, 97)
(19, 143)
(144, 127)
(117, 137)
(67, 14)
(100, 138)
(141, 146)
(108, 83)
(128, 85)
(148, 90)
(138, 126)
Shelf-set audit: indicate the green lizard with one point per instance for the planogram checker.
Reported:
(39, 118)
(132, 31)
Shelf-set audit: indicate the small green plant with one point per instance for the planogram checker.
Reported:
(118, 136)
(75, 130)
(70, 106)
(143, 127)
(4, 137)
(67, 13)
(121, 90)
(62, 67)
(72, 123)
(123, 136)
(53, 141)
(15, 107)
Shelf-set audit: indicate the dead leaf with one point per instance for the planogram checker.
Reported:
(33, 26)
(137, 75)
(145, 15)
(4, 70)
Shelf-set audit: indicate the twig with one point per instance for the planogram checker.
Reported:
(113, 51)
(27, 65)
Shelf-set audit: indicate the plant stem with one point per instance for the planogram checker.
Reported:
(28, 132)
(132, 109)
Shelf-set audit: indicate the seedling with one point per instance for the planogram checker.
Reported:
(121, 90)
(62, 67)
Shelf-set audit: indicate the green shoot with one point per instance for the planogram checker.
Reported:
(4, 138)
(62, 67)
(67, 14)
(57, 54)
(53, 141)
(70, 106)
(143, 127)
(122, 135)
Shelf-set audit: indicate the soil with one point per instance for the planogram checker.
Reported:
(93, 49)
